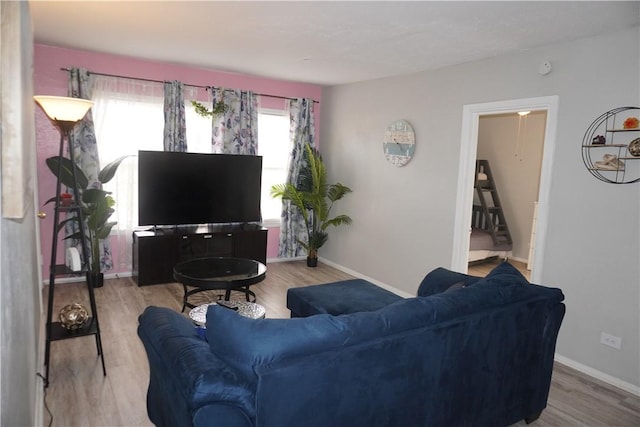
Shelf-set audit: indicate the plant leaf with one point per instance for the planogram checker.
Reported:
(64, 222)
(104, 231)
(94, 195)
(109, 171)
(338, 220)
(66, 173)
(337, 191)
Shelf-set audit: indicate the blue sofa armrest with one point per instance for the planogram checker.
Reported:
(441, 280)
(189, 385)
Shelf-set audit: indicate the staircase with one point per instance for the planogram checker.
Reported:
(488, 214)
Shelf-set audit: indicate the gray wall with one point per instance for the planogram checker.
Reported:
(19, 284)
(404, 217)
(513, 146)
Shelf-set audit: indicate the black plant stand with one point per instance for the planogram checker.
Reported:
(54, 330)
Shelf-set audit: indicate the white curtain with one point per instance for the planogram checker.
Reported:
(128, 116)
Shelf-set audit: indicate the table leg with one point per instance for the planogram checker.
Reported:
(184, 298)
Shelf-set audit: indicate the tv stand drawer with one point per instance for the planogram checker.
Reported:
(203, 245)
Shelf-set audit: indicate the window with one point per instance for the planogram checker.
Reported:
(198, 127)
(274, 145)
(128, 117)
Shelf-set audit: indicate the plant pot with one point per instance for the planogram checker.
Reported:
(312, 261)
(96, 279)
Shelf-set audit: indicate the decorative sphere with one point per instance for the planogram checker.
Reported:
(73, 316)
(634, 147)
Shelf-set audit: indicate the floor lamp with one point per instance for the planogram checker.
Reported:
(65, 113)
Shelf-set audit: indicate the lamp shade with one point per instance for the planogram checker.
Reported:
(62, 108)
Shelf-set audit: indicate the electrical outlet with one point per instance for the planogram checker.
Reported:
(610, 340)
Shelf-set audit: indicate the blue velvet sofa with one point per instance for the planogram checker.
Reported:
(466, 352)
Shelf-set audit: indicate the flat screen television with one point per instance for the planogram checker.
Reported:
(192, 188)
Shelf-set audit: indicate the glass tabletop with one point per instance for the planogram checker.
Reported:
(219, 270)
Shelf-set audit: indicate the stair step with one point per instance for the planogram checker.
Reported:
(492, 215)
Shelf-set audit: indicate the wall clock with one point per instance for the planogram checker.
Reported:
(399, 143)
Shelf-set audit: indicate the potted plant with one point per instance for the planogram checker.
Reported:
(97, 207)
(314, 198)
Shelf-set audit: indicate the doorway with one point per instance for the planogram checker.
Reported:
(468, 156)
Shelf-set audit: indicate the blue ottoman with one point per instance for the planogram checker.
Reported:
(344, 297)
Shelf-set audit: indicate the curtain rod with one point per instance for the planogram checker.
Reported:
(186, 84)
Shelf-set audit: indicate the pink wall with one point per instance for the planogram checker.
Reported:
(50, 80)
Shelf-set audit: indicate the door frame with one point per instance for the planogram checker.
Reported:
(468, 153)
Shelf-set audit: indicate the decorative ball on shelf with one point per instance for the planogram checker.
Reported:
(634, 147)
(73, 316)
(631, 123)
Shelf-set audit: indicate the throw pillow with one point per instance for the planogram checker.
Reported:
(441, 279)
(457, 285)
(506, 274)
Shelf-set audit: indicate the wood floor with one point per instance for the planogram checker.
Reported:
(79, 395)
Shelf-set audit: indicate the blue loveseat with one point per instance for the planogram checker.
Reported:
(466, 352)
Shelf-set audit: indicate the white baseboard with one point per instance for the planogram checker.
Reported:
(606, 378)
(39, 410)
(298, 258)
(524, 261)
(39, 381)
(75, 279)
(367, 278)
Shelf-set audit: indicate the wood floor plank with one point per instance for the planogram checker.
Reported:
(79, 395)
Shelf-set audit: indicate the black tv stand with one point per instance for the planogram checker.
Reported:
(157, 250)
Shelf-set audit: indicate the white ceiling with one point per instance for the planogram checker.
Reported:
(322, 42)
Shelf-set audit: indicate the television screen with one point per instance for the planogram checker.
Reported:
(192, 188)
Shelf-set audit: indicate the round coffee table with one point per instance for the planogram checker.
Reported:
(243, 308)
(219, 273)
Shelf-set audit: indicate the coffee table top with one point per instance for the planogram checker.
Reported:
(217, 272)
(244, 308)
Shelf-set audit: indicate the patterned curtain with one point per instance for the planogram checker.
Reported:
(174, 117)
(83, 138)
(236, 130)
(302, 132)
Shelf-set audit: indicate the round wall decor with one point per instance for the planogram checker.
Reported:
(611, 146)
(399, 143)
